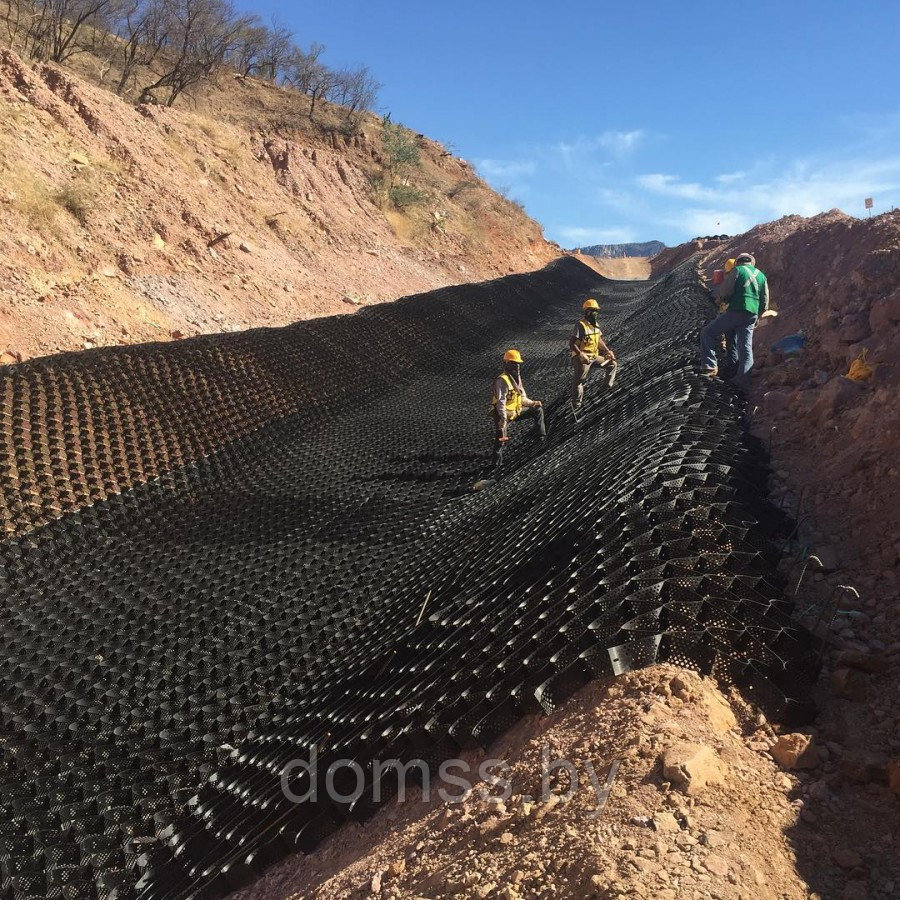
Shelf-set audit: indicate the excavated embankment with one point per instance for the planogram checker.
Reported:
(217, 553)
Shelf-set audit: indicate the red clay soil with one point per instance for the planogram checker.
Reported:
(836, 279)
(231, 211)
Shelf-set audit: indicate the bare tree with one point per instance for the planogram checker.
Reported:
(17, 16)
(142, 28)
(249, 47)
(55, 27)
(354, 89)
(277, 51)
(200, 35)
(301, 67)
(321, 83)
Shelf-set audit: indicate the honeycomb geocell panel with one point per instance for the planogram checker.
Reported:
(217, 554)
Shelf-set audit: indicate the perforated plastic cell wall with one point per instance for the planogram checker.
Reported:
(217, 551)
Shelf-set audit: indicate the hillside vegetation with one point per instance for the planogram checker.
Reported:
(232, 209)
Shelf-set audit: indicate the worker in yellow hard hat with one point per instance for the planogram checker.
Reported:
(586, 347)
(510, 402)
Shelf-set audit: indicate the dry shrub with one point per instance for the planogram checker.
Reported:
(34, 197)
(78, 198)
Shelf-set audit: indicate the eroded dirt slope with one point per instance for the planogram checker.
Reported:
(698, 808)
(626, 268)
(126, 224)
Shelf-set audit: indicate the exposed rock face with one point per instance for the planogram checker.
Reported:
(647, 248)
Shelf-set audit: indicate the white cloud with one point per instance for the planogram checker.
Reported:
(730, 177)
(510, 169)
(621, 142)
(734, 202)
(671, 186)
(577, 236)
(582, 152)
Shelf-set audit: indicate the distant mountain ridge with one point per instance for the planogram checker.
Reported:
(609, 251)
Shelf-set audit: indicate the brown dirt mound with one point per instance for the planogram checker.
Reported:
(722, 834)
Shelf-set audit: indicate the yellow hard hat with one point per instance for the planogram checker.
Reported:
(729, 265)
(512, 356)
(590, 303)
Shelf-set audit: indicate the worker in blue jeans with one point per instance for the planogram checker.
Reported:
(746, 291)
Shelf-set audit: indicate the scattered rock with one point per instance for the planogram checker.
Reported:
(865, 768)
(828, 556)
(795, 751)
(716, 865)
(775, 402)
(856, 890)
(721, 716)
(245, 247)
(691, 767)
(885, 312)
(853, 328)
(375, 885)
(397, 868)
(666, 822)
(833, 397)
(712, 839)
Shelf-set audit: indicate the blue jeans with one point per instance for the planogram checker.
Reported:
(738, 326)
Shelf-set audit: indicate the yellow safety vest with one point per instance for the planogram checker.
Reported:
(590, 343)
(513, 399)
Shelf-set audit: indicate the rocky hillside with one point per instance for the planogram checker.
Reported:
(648, 248)
(132, 223)
(836, 279)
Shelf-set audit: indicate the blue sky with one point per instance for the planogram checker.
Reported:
(640, 120)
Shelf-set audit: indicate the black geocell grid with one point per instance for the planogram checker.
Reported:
(217, 553)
